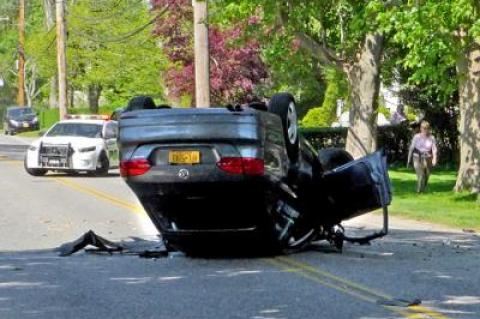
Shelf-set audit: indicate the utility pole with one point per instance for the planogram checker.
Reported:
(61, 58)
(49, 12)
(21, 54)
(202, 56)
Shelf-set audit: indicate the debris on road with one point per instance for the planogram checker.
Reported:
(399, 302)
(141, 247)
(89, 239)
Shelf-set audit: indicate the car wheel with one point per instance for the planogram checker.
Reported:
(34, 171)
(103, 165)
(140, 103)
(331, 158)
(283, 104)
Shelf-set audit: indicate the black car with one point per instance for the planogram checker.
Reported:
(244, 178)
(20, 119)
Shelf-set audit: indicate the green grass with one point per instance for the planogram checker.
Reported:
(31, 134)
(439, 204)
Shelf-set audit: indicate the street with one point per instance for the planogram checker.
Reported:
(436, 265)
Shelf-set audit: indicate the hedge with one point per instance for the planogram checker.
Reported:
(394, 139)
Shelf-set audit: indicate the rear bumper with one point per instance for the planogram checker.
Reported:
(20, 129)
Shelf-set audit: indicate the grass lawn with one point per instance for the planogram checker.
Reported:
(439, 204)
(30, 134)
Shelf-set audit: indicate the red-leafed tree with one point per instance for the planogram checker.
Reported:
(235, 63)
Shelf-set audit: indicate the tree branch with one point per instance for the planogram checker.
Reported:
(125, 36)
(318, 51)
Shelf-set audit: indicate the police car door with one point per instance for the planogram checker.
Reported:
(111, 132)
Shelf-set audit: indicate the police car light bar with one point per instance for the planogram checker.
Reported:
(87, 117)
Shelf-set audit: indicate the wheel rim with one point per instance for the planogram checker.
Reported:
(292, 126)
(295, 242)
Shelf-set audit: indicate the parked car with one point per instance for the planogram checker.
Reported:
(82, 143)
(218, 178)
(20, 119)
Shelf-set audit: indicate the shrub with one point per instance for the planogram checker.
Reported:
(325, 115)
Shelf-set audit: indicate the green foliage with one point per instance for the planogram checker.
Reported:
(337, 88)
(48, 117)
(318, 117)
(109, 44)
(428, 33)
(383, 110)
(410, 113)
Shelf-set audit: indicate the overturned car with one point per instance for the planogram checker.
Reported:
(244, 177)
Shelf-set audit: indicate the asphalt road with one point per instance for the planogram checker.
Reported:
(416, 261)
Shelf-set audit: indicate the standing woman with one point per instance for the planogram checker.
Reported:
(424, 152)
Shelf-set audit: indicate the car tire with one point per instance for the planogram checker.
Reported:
(140, 103)
(34, 171)
(283, 104)
(103, 165)
(331, 158)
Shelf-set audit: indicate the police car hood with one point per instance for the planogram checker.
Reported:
(74, 141)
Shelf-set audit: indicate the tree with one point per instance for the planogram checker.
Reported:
(343, 35)
(325, 115)
(235, 66)
(441, 36)
(8, 50)
(111, 50)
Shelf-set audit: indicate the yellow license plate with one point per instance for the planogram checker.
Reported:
(25, 125)
(184, 157)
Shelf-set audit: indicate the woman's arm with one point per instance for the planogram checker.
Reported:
(434, 152)
(410, 150)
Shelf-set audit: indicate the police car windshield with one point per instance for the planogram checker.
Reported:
(76, 129)
(19, 112)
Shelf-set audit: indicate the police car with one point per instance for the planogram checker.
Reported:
(80, 143)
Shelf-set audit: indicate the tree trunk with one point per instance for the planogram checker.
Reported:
(364, 80)
(94, 92)
(468, 72)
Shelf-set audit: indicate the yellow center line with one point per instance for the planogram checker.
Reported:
(354, 289)
(136, 209)
(133, 208)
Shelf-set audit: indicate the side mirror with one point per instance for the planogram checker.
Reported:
(109, 132)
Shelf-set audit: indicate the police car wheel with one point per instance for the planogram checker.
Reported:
(103, 165)
(34, 171)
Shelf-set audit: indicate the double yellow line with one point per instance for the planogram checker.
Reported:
(351, 288)
(136, 209)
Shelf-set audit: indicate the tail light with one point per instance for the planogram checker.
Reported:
(242, 165)
(134, 167)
